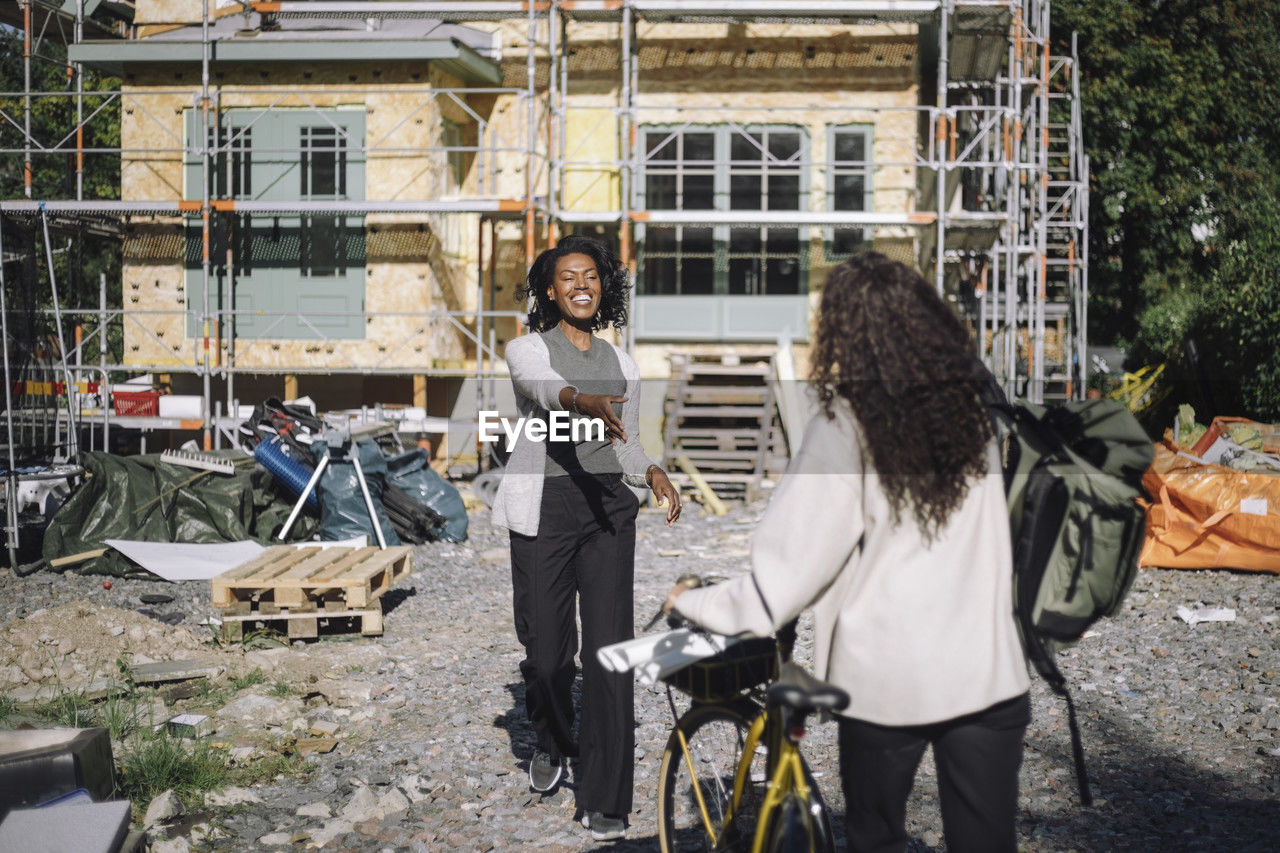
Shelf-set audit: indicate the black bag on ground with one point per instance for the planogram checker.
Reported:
(1072, 475)
(412, 473)
(343, 512)
(414, 522)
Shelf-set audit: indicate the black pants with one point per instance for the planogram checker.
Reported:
(585, 549)
(977, 757)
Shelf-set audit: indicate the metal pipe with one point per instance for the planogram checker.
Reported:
(204, 215)
(627, 150)
(480, 458)
(26, 97)
(940, 161)
(368, 501)
(73, 437)
(104, 396)
(11, 474)
(79, 72)
(302, 498)
(531, 117)
(557, 97)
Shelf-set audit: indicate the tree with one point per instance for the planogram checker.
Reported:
(1182, 126)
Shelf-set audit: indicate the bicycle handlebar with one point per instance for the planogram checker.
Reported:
(675, 620)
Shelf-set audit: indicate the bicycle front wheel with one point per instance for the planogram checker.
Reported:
(695, 791)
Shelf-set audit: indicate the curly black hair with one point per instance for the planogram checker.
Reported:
(614, 284)
(901, 358)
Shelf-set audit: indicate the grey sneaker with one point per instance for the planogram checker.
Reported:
(604, 827)
(544, 771)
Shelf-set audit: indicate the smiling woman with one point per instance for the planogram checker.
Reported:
(572, 523)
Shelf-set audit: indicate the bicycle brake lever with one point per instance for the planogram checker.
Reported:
(652, 623)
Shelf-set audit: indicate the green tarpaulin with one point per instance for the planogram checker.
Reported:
(143, 498)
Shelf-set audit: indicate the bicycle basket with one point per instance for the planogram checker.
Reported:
(729, 673)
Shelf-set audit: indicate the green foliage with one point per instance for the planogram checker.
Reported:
(1182, 127)
(158, 761)
(80, 255)
(119, 712)
(1239, 325)
(270, 766)
(8, 707)
(281, 688)
(70, 708)
(252, 677)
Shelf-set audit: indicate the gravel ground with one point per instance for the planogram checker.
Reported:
(1181, 724)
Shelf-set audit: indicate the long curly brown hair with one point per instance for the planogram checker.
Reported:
(900, 357)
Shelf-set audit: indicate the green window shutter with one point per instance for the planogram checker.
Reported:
(305, 275)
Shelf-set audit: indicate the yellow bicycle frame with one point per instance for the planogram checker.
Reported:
(787, 775)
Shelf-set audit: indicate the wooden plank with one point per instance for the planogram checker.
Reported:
(726, 396)
(289, 614)
(720, 412)
(332, 574)
(709, 496)
(726, 477)
(717, 369)
(72, 559)
(371, 622)
(283, 565)
(304, 571)
(248, 569)
(374, 563)
(304, 629)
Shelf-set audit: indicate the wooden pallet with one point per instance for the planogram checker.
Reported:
(720, 414)
(306, 585)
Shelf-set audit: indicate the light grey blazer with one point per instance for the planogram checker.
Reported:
(537, 386)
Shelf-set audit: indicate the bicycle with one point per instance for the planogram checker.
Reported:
(732, 776)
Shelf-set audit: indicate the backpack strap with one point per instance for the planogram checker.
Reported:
(1077, 748)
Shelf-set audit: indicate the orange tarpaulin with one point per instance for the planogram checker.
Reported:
(1210, 516)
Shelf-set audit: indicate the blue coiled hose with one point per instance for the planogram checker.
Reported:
(289, 472)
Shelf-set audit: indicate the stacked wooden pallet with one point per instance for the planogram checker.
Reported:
(721, 415)
(309, 586)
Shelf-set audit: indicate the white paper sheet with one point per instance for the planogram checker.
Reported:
(1206, 614)
(186, 561)
(657, 655)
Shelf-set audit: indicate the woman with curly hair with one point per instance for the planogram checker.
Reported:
(891, 522)
(572, 523)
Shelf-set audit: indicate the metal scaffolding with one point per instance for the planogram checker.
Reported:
(997, 212)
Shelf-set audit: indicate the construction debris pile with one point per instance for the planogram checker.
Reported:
(297, 478)
(1215, 494)
(78, 645)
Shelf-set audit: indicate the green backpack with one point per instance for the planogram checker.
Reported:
(1072, 474)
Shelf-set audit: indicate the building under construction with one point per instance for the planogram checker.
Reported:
(338, 198)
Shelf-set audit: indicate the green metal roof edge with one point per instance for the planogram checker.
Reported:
(453, 56)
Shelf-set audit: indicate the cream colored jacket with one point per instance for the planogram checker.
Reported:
(916, 632)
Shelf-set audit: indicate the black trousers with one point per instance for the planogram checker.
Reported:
(584, 550)
(977, 757)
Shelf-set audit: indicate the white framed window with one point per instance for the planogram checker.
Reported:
(724, 168)
(848, 185)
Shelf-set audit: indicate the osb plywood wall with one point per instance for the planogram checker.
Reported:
(416, 264)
